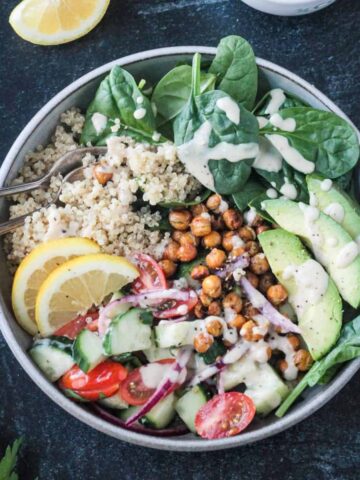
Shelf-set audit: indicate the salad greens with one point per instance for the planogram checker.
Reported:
(8, 462)
(289, 102)
(347, 348)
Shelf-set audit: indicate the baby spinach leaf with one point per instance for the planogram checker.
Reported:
(216, 350)
(185, 269)
(173, 91)
(229, 177)
(347, 348)
(289, 102)
(118, 98)
(321, 137)
(252, 189)
(235, 66)
(257, 204)
(187, 203)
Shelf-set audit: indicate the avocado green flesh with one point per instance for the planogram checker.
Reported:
(289, 216)
(351, 221)
(320, 323)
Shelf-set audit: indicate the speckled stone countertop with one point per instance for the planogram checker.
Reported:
(324, 49)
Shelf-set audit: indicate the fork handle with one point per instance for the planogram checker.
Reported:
(23, 187)
(12, 224)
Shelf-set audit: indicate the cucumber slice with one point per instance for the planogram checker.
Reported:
(127, 333)
(153, 354)
(189, 404)
(88, 352)
(177, 334)
(53, 356)
(115, 402)
(159, 417)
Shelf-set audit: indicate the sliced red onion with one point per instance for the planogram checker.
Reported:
(174, 320)
(260, 302)
(208, 372)
(220, 382)
(173, 376)
(242, 261)
(165, 432)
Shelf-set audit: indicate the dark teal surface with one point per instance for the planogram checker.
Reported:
(324, 49)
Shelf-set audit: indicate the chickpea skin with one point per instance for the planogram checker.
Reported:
(253, 279)
(211, 286)
(294, 341)
(176, 235)
(238, 321)
(259, 264)
(277, 294)
(252, 248)
(101, 175)
(282, 366)
(180, 219)
(197, 210)
(217, 223)
(303, 360)
(168, 267)
(186, 252)
(247, 233)
(249, 310)
(201, 225)
(205, 299)
(214, 308)
(266, 281)
(247, 332)
(213, 239)
(171, 251)
(261, 229)
(237, 251)
(216, 258)
(214, 327)
(188, 237)
(199, 272)
(232, 219)
(227, 241)
(213, 202)
(202, 342)
(199, 311)
(233, 301)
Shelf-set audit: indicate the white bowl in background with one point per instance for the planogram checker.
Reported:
(288, 7)
(151, 65)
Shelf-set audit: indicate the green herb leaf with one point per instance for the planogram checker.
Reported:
(251, 190)
(235, 66)
(8, 462)
(347, 348)
(216, 350)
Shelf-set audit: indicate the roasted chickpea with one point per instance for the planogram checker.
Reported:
(168, 267)
(212, 240)
(233, 301)
(197, 210)
(176, 235)
(188, 237)
(303, 360)
(217, 223)
(252, 248)
(249, 310)
(249, 333)
(205, 299)
(232, 219)
(259, 264)
(261, 229)
(228, 240)
(202, 342)
(180, 219)
(213, 202)
(214, 308)
(199, 311)
(238, 321)
(199, 272)
(277, 294)
(253, 279)
(101, 174)
(266, 281)
(247, 233)
(186, 252)
(237, 251)
(201, 225)
(171, 251)
(216, 258)
(211, 286)
(214, 327)
(269, 352)
(294, 341)
(282, 366)
(258, 221)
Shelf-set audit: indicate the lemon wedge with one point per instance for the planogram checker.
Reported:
(52, 22)
(36, 267)
(77, 285)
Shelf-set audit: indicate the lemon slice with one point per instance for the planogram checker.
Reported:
(36, 267)
(77, 285)
(52, 22)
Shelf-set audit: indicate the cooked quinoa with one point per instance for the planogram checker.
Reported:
(105, 213)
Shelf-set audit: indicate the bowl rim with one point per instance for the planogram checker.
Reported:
(164, 443)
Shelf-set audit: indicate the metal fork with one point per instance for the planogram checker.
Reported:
(69, 165)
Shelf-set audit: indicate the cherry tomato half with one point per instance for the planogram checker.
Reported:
(178, 308)
(151, 276)
(133, 390)
(73, 328)
(224, 415)
(103, 380)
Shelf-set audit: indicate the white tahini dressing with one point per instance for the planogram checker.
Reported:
(271, 193)
(277, 98)
(99, 122)
(250, 216)
(313, 201)
(335, 211)
(139, 113)
(312, 282)
(156, 136)
(198, 149)
(262, 121)
(311, 214)
(285, 124)
(347, 255)
(292, 156)
(288, 190)
(230, 108)
(326, 185)
(277, 342)
(268, 158)
(139, 100)
(153, 373)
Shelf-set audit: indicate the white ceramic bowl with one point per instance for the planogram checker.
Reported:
(289, 7)
(150, 65)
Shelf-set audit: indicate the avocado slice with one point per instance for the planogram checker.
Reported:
(336, 200)
(331, 245)
(319, 313)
